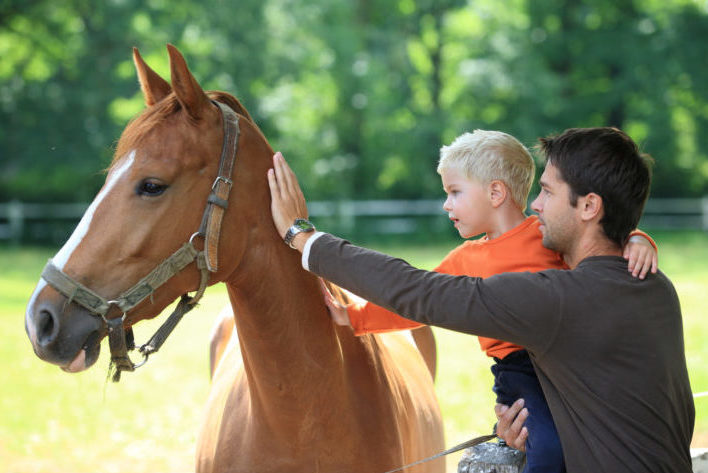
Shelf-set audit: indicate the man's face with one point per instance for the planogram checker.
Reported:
(559, 220)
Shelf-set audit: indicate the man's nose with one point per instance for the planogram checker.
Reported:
(536, 204)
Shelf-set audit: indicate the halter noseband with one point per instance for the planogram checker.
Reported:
(120, 339)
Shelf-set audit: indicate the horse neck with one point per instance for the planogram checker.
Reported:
(285, 334)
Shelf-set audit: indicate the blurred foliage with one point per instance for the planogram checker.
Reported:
(360, 95)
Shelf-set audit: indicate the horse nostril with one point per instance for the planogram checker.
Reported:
(47, 327)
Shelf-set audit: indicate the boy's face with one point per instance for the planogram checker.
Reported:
(467, 203)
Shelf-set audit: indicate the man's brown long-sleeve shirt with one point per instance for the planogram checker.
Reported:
(608, 348)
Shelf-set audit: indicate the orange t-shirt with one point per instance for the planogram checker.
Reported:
(517, 250)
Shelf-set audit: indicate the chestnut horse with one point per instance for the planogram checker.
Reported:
(296, 393)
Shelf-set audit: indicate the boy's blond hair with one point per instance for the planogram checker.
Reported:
(491, 155)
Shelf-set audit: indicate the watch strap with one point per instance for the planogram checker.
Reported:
(295, 229)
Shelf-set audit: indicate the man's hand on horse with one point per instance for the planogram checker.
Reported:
(510, 424)
(287, 200)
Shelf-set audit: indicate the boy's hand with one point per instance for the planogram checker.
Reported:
(337, 311)
(641, 256)
(287, 201)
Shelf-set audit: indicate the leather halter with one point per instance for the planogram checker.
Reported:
(120, 339)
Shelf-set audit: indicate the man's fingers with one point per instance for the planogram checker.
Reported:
(520, 419)
(518, 431)
(273, 185)
(287, 176)
(510, 423)
(521, 440)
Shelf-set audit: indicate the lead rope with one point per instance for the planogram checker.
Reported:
(119, 364)
(456, 448)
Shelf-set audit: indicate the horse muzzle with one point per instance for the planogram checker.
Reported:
(61, 332)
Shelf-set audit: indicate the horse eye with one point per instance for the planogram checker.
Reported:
(150, 188)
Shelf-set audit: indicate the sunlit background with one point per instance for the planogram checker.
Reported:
(359, 95)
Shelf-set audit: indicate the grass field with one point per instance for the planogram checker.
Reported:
(51, 421)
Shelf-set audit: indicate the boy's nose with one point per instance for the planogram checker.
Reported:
(446, 205)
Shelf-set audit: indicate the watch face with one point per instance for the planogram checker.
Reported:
(303, 225)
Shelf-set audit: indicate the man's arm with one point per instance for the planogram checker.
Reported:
(522, 308)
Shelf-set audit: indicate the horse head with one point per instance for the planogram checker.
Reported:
(152, 232)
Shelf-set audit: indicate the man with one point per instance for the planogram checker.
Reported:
(607, 348)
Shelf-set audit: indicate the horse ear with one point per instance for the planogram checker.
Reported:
(188, 91)
(154, 87)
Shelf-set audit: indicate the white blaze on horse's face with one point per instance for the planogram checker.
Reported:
(62, 257)
(82, 228)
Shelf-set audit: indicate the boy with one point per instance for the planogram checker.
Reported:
(487, 176)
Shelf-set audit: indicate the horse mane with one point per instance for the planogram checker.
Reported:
(151, 117)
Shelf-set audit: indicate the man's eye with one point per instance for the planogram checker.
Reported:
(150, 188)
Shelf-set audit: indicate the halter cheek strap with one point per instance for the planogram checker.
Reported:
(218, 199)
(120, 339)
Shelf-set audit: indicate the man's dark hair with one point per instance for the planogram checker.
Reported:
(607, 162)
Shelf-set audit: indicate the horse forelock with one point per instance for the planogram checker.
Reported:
(139, 127)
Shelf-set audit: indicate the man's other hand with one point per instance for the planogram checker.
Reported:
(510, 424)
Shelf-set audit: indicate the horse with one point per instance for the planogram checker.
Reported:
(290, 390)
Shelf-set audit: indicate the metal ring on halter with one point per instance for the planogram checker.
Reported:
(117, 304)
(195, 234)
(145, 359)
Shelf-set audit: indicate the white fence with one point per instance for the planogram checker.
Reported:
(24, 221)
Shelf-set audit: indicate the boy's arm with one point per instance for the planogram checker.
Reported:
(371, 318)
(641, 253)
(364, 317)
(496, 307)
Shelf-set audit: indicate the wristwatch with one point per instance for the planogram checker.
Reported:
(301, 225)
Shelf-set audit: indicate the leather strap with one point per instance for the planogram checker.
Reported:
(218, 199)
(77, 292)
(74, 290)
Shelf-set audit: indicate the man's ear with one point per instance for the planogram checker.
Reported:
(591, 206)
(497, 192)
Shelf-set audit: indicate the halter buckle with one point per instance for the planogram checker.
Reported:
(225, 180)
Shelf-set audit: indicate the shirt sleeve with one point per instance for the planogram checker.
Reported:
(651, 241)
(522, 308)
(368, 317)
(371, 318)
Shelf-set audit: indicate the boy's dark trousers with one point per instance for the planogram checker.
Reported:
(514, 378)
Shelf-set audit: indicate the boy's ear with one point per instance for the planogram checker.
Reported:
(591, 206)
(497, 192)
